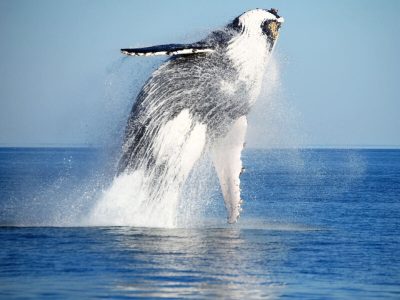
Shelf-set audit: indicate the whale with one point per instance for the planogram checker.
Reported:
(197, 102)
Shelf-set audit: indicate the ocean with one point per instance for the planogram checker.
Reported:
(317, 224)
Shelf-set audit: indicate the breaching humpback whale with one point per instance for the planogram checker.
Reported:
(198, 101)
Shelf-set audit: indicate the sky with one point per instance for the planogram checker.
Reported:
(60, 66)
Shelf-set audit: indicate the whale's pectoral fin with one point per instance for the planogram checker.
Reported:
(228, 164)
(170, 49)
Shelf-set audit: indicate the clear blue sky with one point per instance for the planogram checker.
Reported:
(342, 70)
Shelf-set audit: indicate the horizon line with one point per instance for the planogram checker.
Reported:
(316, 146)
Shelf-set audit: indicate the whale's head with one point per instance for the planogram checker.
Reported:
(259, 23)
(252, 37)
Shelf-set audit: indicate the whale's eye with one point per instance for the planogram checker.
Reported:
(271, 29)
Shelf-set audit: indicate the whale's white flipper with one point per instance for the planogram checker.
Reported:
(228, 164)
(170, 49)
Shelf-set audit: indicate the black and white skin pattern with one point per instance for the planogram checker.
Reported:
(198, 101)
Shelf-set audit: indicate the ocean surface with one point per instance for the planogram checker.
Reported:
(317, 224)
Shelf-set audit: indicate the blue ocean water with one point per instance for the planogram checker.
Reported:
(317, 224)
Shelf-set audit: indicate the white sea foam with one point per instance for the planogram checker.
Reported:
(135, 199)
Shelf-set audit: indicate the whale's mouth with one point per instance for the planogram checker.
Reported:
(271, 27)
